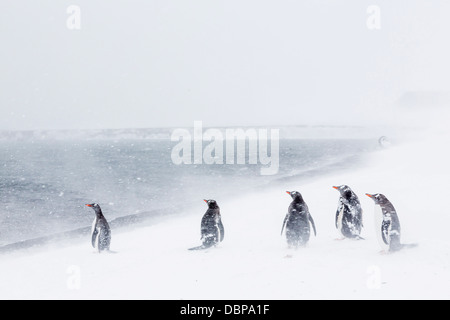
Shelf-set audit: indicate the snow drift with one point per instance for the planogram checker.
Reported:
(253, 262)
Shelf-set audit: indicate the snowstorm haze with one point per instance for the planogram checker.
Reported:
(353, 93)
(137, 64)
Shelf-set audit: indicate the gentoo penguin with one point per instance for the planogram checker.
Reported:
(384, 142)
(211, 228)
(101, 233)
(349, 213)
(297, 221)
(387, 223)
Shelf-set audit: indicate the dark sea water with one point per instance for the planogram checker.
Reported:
(44, 185)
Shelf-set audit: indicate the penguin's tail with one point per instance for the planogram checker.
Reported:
(409, 245)
(203, 246)
(198, 248)
(110, 251)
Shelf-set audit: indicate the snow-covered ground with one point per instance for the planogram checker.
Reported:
(254, 262)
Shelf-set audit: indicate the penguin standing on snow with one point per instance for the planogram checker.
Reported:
(101, 233)
(387, 223)
(349, 213)
(211, 228)
(297, 221)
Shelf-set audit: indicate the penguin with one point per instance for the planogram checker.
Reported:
(101, 233)
(211, 228)
(349, 213)
(384, 142)
(387, 224)
(297, 221)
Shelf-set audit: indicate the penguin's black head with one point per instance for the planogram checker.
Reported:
(297, 196)
(378, 198)
(212, 204)
(345, 191)
(94, 206)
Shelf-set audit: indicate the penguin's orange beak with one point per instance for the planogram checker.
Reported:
(336, 187)
(369, 195)
(205, 200)
(288, 192)
(88, 205)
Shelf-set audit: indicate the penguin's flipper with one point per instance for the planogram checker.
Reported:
(385, 230)
(284, 224)
(339, 212)
(221, 230)
(360, 217)
(94, 237)
(313, 225)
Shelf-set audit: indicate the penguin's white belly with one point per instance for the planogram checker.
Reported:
(93, 225)
(378, 216)
(95, 241)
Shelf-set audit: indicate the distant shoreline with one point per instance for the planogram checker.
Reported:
(286, 132)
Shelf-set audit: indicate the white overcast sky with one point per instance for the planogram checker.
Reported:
(158, 63)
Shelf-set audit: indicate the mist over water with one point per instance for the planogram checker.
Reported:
(45, 184)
